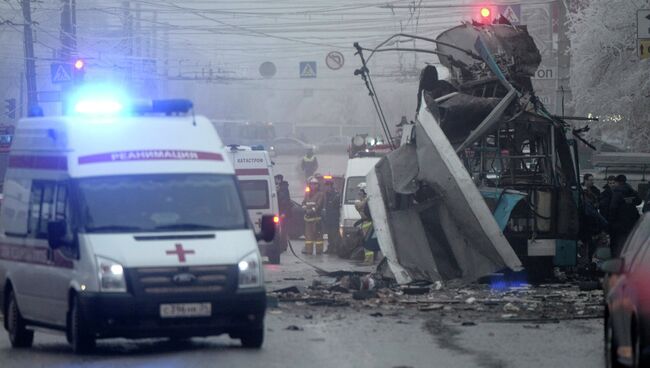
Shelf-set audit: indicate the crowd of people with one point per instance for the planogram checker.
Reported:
(609, 214)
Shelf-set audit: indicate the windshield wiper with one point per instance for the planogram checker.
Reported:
(111, 228)
(185, 227)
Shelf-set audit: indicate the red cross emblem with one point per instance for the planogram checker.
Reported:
(180, 252)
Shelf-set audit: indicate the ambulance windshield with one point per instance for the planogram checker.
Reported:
(352, 190)
(170, 202)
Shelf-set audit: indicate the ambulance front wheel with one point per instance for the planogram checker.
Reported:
(274, 257)
(276, 248)
(81, 339)
(19, 335)
(252, 339)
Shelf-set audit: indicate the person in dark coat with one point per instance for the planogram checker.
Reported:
(606, 196)
(284, 197)
(588, 184)
(593, 223)
(623, 213)
(284, 207)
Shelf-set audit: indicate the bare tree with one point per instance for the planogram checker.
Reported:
(608, 79)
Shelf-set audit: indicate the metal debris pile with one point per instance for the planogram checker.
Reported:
(475, 302)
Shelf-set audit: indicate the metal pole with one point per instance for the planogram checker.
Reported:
(21, 99)
(30, 61)
(68, 45)
(138, 30)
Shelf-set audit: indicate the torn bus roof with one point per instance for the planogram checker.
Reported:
(430, 218)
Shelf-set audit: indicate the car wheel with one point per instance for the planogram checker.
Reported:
(81, 339)
(611, 359)
(252, 339)
(639, 345)
(19, 335)
(274, 257)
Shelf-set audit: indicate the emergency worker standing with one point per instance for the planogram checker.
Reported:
(361, 201)
(313, 206)
(332, 216)
(361, 206)
(309, 163)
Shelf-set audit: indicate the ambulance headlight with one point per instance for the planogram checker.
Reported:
(111, 276)
(250, 271)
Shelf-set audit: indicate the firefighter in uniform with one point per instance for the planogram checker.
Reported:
(313, 206)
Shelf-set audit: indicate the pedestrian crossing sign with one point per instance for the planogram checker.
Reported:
(60, 72)
(307, 69)
(511, 12)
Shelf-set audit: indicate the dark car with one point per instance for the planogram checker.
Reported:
(627, 299)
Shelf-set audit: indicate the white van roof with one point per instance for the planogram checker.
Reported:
(360, 166)
(250, 162)
(97, 146)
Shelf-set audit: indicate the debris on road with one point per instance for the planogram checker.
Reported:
(294, 328)
(462, 302)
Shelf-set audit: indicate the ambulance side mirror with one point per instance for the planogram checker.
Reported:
(56, 232)
(267, 232)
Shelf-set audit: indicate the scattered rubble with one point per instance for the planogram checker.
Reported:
(294, 328)
(545, 303)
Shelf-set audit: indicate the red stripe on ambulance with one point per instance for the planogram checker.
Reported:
(34, 255)
(38, 162)
(150, 155)
(244, 172)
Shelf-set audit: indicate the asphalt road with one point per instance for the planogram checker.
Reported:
(340, 337)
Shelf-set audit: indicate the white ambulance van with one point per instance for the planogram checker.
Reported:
(254, 169)
(124, 225)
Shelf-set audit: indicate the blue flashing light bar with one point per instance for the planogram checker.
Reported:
(105, 99)
(167, 107)
(99, 107)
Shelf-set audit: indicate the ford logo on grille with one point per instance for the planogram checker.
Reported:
(184, 278)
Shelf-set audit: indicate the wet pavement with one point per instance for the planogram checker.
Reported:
(367, 333)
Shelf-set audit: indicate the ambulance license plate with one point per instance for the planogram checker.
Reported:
(185, 310)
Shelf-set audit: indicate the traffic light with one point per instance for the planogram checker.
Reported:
(10, 108)
(78, 70)
(485, 15)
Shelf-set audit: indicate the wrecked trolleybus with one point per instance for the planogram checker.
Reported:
(521, 158)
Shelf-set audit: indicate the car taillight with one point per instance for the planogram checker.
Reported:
(276, 219)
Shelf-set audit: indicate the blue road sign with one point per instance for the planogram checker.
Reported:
(307, 69)
(61, 72)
